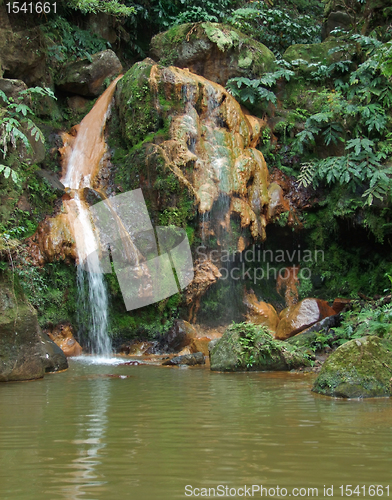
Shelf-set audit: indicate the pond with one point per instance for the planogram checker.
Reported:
(103, 432)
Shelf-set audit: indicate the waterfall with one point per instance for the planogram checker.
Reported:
(82, 157)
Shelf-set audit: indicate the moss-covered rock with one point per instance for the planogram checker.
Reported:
(360, 368)
(25, 352)
(250, 347)
(309, 56)
(215, 51)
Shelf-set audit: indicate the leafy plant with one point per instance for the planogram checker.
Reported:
(15, 119)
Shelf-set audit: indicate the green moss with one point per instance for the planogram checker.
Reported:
(312, 54)
(250, 54)
(139, 117)
(360, 368)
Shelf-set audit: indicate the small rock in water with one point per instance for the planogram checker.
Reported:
(187, 359)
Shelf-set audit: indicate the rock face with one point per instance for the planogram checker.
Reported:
(86, 78)
(199, 133)
(212, 50)
(23, 56)
(25, 352)
(360, 368)
(249, 347)
(296, 318)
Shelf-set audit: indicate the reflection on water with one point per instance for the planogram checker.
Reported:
(85, 434)
(90, 441)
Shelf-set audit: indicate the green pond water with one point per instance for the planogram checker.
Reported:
(83, 434)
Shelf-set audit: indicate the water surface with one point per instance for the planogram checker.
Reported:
(85, 434)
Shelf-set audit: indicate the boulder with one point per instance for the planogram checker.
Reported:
(87, 78)
(314, 336)
(338, 19)
(297, 318)
(11, 88)
(360, 368)
(23, 56)
(186, 359)
(62, 335)
(309, 56)
(215, 51)
(250, 347)
(26, 353)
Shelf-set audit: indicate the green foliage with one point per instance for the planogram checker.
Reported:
(51, 290)
(68, 42)
(167, 13)
(112, 7)
(254, 91)
(364, 319)
(248, 339)
(15, 119)
(276, 28)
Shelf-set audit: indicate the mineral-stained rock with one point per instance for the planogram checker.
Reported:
(260, 313)
(186, 359)
(62, 335)
(212, 50)
(296, 318)
(198, 131)
(86, 78)
(360, 368)
(249, 347)
(25, 352)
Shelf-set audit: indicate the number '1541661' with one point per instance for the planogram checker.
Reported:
(31, 8)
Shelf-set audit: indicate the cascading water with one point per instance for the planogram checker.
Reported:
(82, 157)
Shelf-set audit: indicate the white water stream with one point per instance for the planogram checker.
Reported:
(82, 158)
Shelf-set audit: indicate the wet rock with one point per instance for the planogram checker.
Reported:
(262, 352)
(200, 345)
(288, 282)
(205, 275)
(26, 353)
(63, 336)
(87, 78)
(208, 144)
(212, 50)
(277, 203)
(297, 318)
(360, 368)
(137, 348)
(174, 340)
(260, 313)
(187, 359)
